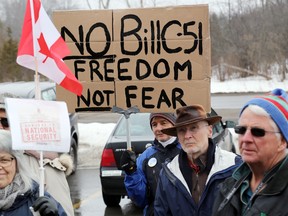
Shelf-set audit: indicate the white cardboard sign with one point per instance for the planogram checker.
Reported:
(38, 125)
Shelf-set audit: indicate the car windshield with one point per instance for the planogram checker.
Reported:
(139, 125)
(49, 94)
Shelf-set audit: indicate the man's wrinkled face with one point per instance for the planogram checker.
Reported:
(159, 123)
(261, 150)
(194, 138)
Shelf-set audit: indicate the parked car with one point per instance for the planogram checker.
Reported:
(48, 92)
(141, 136)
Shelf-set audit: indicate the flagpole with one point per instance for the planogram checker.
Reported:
(36, 76)
(37, 95)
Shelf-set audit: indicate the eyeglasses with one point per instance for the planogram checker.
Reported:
(4, 122)
(257, 132)
(5, 162)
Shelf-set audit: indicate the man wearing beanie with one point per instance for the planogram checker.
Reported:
(142, 174)
(259, 186)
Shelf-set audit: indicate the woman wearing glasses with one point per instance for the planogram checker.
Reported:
(19, 192)
(55, 169)
(259, 186)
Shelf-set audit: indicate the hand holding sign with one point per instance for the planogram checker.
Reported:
(127, 114)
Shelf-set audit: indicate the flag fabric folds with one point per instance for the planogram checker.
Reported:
(50, 48)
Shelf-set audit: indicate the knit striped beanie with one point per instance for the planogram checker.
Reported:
(276, 105)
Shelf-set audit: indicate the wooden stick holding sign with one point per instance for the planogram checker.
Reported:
(41, 168)
(126, 114)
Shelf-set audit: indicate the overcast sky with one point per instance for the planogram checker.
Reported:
(214, 5)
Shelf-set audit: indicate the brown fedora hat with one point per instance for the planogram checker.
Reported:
(188, 115)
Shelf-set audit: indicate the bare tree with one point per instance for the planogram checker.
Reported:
(105, 5)
(14, 19)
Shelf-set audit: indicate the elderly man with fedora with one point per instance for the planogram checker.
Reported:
(188, 185)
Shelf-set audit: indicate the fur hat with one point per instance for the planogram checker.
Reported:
(189, 115)
(276, 105)
(168, 116)
(67, 162)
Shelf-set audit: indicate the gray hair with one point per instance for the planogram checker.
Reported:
(257, 110)
(21, 165)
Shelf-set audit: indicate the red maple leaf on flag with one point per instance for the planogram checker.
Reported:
(55, 49)
(43, 47)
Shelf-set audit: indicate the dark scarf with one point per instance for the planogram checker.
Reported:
(203, 170)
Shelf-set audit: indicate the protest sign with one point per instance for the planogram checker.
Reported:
(38, 125)
(152, 58)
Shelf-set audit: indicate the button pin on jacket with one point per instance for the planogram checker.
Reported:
(152, 162)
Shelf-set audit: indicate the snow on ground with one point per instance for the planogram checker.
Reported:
(93, 136)
(254, 84)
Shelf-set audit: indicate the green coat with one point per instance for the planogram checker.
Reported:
(272, 200)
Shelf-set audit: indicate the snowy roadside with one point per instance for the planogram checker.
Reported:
(92, 138)
(247, 85)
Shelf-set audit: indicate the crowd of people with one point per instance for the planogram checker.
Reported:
(183, 173)
(202, 179)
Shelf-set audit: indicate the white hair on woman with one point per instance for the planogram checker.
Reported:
(22, 168)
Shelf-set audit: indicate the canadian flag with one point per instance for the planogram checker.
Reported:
(42, 48)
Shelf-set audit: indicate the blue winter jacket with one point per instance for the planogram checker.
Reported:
(173, 196)
(24, 201)
(141, 185)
